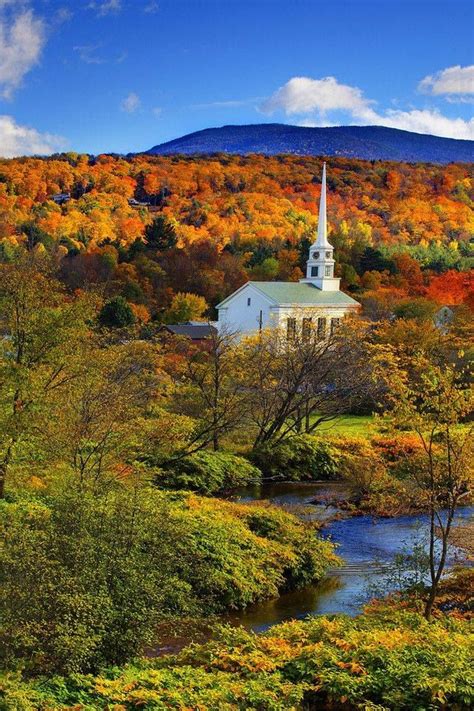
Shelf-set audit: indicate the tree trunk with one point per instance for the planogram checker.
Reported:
(4, 470)
(430, 601)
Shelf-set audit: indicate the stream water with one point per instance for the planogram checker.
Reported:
(366, 544)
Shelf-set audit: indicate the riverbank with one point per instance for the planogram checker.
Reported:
(367, 544)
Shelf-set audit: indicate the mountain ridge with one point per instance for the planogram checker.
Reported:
(363, 142)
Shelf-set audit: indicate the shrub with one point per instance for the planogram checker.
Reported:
(87, 577)
(369, 475)
(209, 472)
(401, 454)
(387, 659)
(310, 562)
(299, 458)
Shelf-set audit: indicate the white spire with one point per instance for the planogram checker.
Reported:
(322, 239)
(320, 265)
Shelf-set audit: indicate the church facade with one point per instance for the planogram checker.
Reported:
(315, 302)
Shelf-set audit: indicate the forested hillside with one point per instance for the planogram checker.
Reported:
(368, 142)
(147, 228)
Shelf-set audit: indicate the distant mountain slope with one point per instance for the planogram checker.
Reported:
(366, 142)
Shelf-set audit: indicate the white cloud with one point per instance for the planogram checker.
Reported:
(302, 95)
(157, 111)
(453, 81)
(318, 97)
(105, 7)
(131, 103)
(88, 53)
(16, 140)
(311, 123)
(21, 42)
(424, 121)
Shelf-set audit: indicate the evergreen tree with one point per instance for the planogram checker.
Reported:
(160, 234)
(116, 313)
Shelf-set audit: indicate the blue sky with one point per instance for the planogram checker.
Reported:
(123, 75)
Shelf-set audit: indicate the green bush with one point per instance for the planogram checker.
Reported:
(87, 577)
(209, 472)
(300, 458)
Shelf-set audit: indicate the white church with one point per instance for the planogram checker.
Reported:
(314, 302)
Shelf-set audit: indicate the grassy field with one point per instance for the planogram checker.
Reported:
(346, 425)
(351, 426)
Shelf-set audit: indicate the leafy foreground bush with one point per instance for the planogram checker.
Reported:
(87, 577)
(386, 660)
(299, 458)
(209, 473)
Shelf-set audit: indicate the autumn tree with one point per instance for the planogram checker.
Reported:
(209, 388)
(298, 380)
(432, 398)
(40, 329)
(185, 307)
(103, 418)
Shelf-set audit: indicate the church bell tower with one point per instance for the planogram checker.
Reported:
(320, 265)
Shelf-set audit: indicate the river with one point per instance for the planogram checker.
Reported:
(366, 544)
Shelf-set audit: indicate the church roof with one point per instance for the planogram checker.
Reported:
(301, 293)
(193, 330)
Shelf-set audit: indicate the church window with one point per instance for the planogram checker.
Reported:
(328, 271)
(314, 271)
(328, 255)
(321, 327)
(249, 301)
(291, 329)
(335, 322)
(306, 330)
(315, 255)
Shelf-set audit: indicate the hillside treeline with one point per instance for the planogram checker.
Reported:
(147, 228)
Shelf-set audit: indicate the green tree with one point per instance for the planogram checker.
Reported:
(160, 234)
(116, 313)
(420, 309)
(185, 307)
(41, 332)
(105, 416)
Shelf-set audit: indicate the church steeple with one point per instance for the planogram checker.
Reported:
(322, 238)
(320, 265)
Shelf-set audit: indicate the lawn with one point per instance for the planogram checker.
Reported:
(351, 426)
